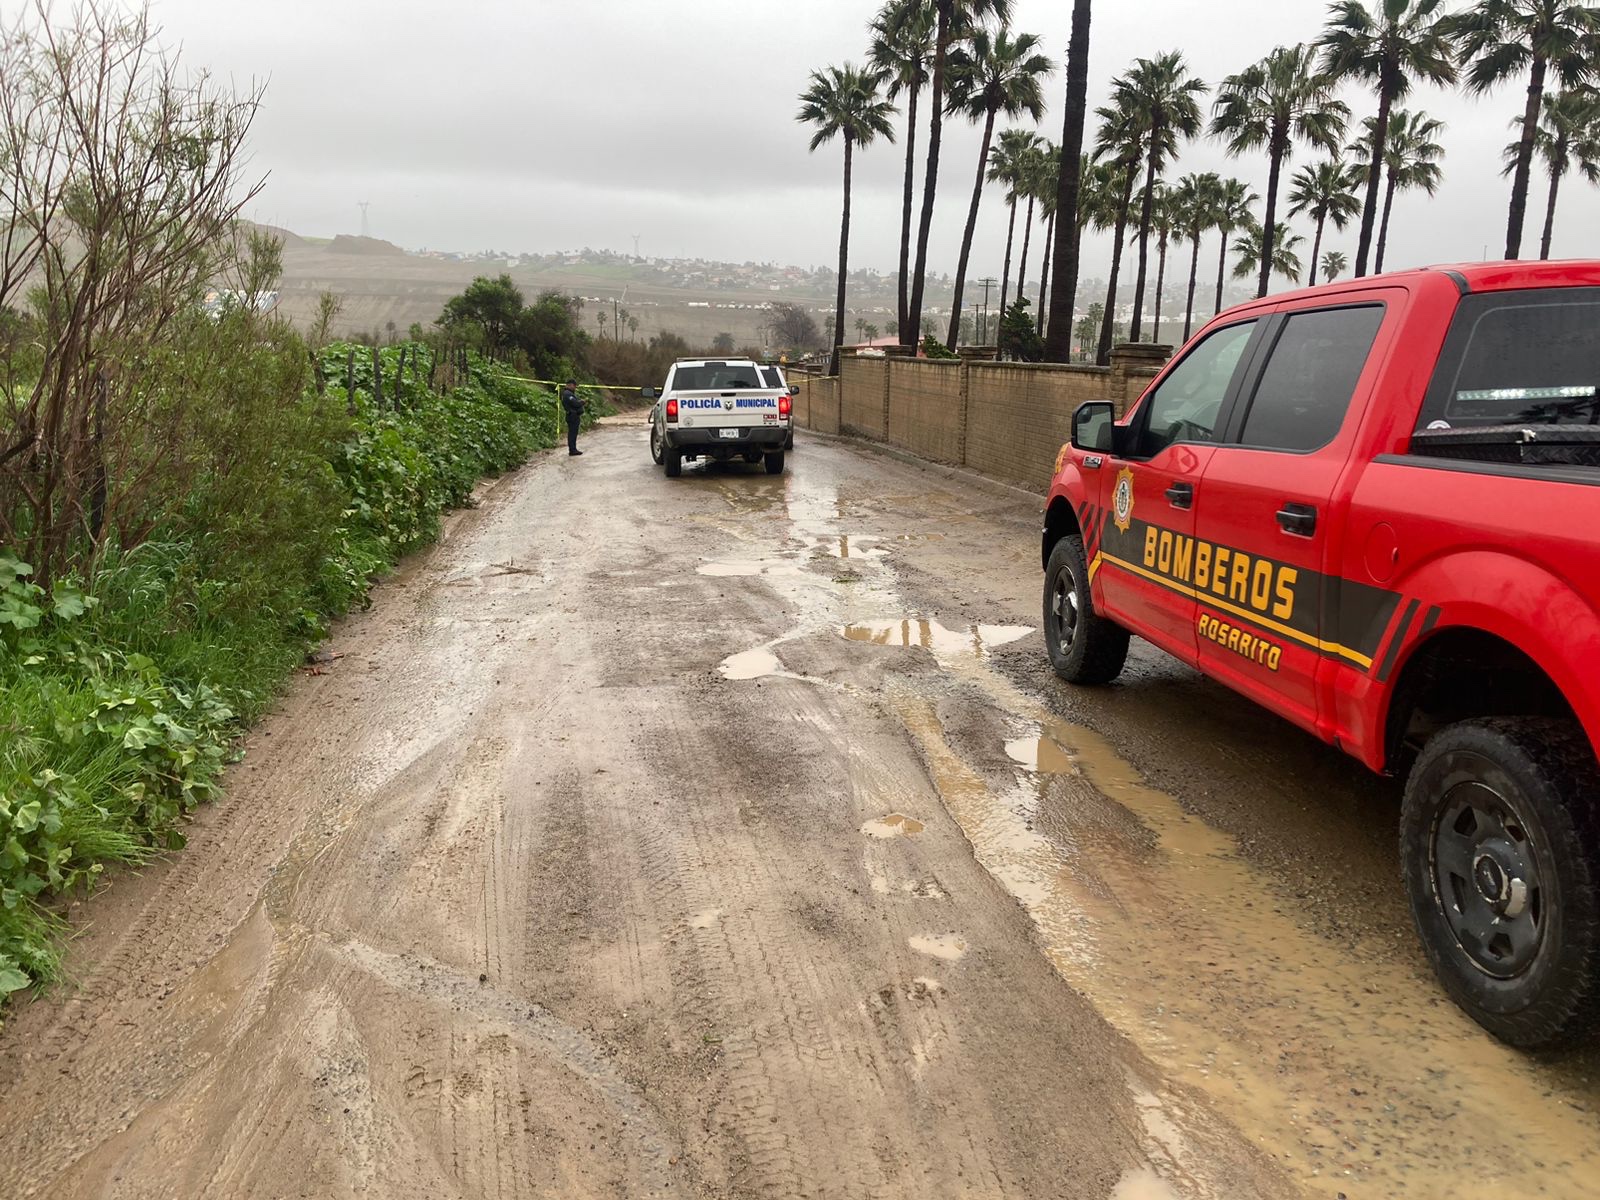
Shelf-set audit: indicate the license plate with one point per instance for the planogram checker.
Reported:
(729, 433)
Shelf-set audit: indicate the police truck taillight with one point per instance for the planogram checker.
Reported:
(785, 406)
(672, 410)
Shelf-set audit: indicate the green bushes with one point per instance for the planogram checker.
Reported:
(122, 688)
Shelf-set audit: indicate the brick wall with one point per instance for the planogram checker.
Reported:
(862, 397)
(1019, 414)
(925, 409)
(817, 405)
(1005, 420)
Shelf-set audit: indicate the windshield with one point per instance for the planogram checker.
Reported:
(716, 377)
(1533, 356)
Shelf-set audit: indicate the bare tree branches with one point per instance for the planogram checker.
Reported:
(121, 182)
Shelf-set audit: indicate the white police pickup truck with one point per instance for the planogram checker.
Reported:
(719, 408)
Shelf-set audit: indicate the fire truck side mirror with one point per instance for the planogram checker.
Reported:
(1092, 427)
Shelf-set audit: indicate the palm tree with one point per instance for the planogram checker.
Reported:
(1161, 97)
(1196, 201)
(953, 19)
(845, 102)
(1008, 164)
(1121, 144)
(1032, 171)
(1280, 99)
(1234, 203)
(1411, 161)
(1327, 193)
(902, 44)
(1048, 185)
(1069, 185)
(989, 75)
(1568, 136)
(1498, 39)
(1285, 261)
(1164, 224)
(1334, 264)
(1394, 44)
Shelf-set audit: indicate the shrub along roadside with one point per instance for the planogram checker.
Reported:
(121, 693)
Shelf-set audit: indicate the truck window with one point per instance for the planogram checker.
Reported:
(714, 377)
(1184, 408)
(1310, 379)
(1515, 357)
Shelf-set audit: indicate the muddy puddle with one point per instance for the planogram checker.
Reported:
(893, 825)
(975, 641)
(750, 664)
(1362, 1079)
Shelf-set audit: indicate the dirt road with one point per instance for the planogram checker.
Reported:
(729, 836)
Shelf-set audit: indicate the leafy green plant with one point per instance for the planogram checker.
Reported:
(121, 696)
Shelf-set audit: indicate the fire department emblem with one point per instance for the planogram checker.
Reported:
(1122, 500)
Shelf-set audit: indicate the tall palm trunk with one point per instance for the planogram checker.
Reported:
(1146, 209)
(1108, 321)
(1161, 282)
(844, 261)
(1044, 274)
(1269, 231)
(1383, 229)
(905, 210)
(1027, 236)
(1194, 275)
(1005, 274)
(930, 178)
(1557, 169)
(1521, 179)
(1316, 249)
(1222, 267)
(972, 227)
(1063, 303)
(1380, 139)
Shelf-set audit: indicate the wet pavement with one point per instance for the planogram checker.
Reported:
(730, 836)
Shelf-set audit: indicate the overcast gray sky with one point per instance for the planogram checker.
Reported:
(544, 125)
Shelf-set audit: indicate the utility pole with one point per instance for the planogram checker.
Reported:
(983, 313)
(362, 204)
(636, 245)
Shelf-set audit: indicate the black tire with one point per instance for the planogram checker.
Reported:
(1084, 648)
(1499, 832)
(788, 442)
(655, 443)
(775, 463)
(673, 461)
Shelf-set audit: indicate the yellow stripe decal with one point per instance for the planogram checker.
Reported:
(1243, 613)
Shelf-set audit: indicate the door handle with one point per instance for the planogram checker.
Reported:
(1298, 519)
(1181, 495)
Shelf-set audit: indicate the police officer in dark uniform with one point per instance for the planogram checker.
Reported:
(572, 406)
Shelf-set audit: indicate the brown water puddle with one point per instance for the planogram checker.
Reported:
(751, 664)
(976, 641)
(1362, 1080)
(893, 825)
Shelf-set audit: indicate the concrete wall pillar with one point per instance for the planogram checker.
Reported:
(1131, 366)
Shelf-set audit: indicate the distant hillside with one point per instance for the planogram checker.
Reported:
(381, 285)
